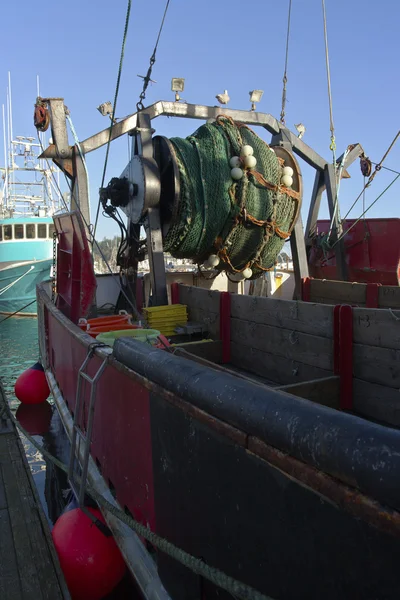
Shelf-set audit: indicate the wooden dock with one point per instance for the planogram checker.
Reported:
(29, 568)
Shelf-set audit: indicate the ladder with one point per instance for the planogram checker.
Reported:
(78, 436)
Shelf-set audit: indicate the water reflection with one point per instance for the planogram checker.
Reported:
(19, 344)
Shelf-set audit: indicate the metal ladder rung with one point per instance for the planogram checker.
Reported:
(86, 377)
(80, 434)
(79, 488)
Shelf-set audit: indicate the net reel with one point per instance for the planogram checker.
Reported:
(150, 193)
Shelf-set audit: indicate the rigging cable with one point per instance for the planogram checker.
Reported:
(121, 60)
(328, 75)
(147, 77)
(332, 146)
(378, 167)
(284, 80)
(369, 207)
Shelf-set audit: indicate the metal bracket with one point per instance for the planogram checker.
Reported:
(59, 127)
(155, 252)
(331, 192)
(297, 244)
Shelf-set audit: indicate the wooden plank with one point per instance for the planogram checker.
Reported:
(231, 369)
(376, 327)
(36, 563)
(194, 297)
(10, 587)
(47, 577)
(24, 551)
(333, 302)
(345, 292)
(322, 391)
(377, 402)
(276, 368)
(339, 292)
(209, 350)
(292, 345)
(389, 296)
(210, 319)
(300, 316)
(377, 365)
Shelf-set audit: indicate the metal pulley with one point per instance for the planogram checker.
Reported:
(144, 187)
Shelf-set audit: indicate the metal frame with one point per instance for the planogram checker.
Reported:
(79, 489)
(138, 124)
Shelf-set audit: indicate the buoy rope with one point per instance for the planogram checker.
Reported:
(196, 565)
(284, 80)
(244, 221)
(121, 60)
(17, 311)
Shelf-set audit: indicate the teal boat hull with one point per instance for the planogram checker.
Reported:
(18, 286)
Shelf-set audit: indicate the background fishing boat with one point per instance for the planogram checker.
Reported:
(29, 197)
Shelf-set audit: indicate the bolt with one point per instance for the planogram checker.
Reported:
(133, 189)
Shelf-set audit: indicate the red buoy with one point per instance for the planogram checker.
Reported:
(91, 562)
(31, 386)
(35, 419)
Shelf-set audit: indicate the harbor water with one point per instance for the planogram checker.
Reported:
(19, 351)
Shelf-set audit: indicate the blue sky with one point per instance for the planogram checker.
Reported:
(215, 45)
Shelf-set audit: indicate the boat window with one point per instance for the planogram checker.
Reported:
(18, 232)
(30, 231)
(42, 230)
(51, 230)
(1, 233)
(8, 232)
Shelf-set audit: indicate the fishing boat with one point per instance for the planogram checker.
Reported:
(28, 199)
(240, 445)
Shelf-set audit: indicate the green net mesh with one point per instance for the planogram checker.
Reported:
(243, 221)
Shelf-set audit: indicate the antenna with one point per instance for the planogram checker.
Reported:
(10, 99)
(4, 201)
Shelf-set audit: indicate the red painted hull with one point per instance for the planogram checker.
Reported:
(372, 250)
(121, 432)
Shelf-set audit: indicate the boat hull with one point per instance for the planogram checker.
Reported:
(278, 492)
(18, 286)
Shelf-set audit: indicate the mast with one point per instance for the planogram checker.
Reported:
(4, 199)
(10, 100)
(33, 192)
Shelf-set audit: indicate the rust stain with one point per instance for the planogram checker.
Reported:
(346, 498)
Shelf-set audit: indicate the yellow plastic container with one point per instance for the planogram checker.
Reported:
(166, 318)
(148, 336)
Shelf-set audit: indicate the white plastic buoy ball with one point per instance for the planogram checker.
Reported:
(235, 162)
(250, 161)
(236, 173)
(246, 151)
(213, 260)
(287, 181)
(247, 273)
(288, 171)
